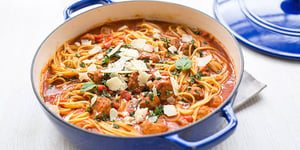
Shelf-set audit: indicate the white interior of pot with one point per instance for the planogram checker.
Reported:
(132, 10)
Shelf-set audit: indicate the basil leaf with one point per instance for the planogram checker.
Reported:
(183, 64)
(87, 86)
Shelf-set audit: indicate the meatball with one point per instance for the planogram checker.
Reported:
(154, 57)
(153, 128)
(147, 102)
(101, 107)
(164, 87)
(197, 92)
(133, 83)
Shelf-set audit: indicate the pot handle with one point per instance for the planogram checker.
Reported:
(82, 4)
(215, 138)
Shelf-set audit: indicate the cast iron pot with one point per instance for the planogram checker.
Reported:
(203, 134)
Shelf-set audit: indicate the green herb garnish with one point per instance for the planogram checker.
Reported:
(151, 96)
(77, 54)
(87, 86)
(88, 109)
(127, 46)
(183, 64)
(115, 125)
(82, 64)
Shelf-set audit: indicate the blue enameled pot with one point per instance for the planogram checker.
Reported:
(203, 134)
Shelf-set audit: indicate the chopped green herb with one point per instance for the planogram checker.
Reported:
(147, 102)
(68, 66)
(88, 109)
(111, 104)
(198, 75)
(167, 41)
(158, 93)
(198, 92)
(201, 54)
(219, 71)
(193, 44)
(127, 46)
(82, 64)
(77, 54)
(131, 113)
(115, 125)
(157, 111)
(105, 61)
(183, 64)
(87, 86)
(105, 93)
(204, 42)
(189, 88)
(161, 62)
(168, 92)
(109, 50)
(158, 78)
(151, 96)
(175, 73)
(197, 32)
(152, 78)
(104, 118)
(69, 96)
(146, 59)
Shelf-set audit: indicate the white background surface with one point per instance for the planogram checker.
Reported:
(270, 120)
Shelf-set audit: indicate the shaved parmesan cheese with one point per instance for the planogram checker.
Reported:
(203, 61)
(115, 49)
(136, 65)
(87, 61)
(116, 84)
(143, 78)
(172, 49)
(86, 42)
(116, 66)
(83, 76)
(95, 50)
(186, 38)
(123, 27)
(129, 53)
(113, 114)
(140, 114)
(77, 44)
(93, 100)
(138, 43)
(148, 48)
(153, 119)
(174, 85)
(170, 110)
(92, 68)
(141, 45)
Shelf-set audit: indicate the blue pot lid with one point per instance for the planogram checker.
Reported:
(271, 27)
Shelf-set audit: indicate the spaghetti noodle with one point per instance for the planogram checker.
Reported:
(137, 77)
